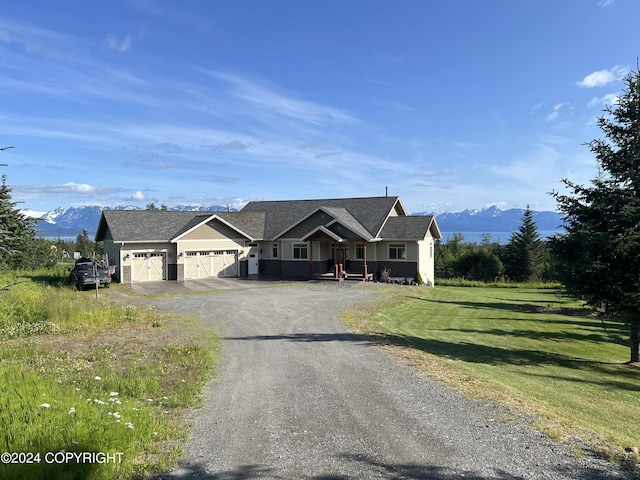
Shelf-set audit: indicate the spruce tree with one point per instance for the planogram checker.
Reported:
(599, 252)
(15, 229)
(525, 251)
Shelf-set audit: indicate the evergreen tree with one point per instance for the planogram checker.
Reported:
(16, 230)
(86, 246)
(599, 254)
(525, 251)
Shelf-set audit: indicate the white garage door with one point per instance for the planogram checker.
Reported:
(148, 266)
(211, 263)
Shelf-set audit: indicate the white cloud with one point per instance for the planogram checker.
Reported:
(609, 99)
(137, 196)
(603, 77)
(555, 113)
(606, 3)
(113, 43)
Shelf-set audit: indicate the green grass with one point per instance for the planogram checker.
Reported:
(523, 347)
(85, 376)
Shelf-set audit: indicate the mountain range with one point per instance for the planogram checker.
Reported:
(70, 222)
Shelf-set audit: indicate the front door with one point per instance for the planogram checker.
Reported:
(253, 261)
(342, 254)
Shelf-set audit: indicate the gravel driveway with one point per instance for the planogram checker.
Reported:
(299, 397)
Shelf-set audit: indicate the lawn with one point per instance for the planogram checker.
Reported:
(521, 347)
(110, 383)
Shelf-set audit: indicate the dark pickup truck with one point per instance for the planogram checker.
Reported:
(86, 274)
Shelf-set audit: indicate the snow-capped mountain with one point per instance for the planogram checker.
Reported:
(493, 219)
(72, 221)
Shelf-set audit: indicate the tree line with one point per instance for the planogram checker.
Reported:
(525, 258)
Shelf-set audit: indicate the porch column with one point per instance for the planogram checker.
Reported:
(365, 271)
(311, 258)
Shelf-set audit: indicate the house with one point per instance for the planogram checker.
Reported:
(293, 238)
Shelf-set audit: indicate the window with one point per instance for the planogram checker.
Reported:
(360, 251)
(300, 251)
(397, 251)
(274, 250)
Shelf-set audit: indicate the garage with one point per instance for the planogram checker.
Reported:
(148, 266)
(211, 263)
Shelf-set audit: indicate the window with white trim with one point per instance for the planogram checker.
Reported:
(274, 250)
(300, 251)
(397, 251)
(359, 251)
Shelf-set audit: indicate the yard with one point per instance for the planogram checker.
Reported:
(108, 383)
(549, 357)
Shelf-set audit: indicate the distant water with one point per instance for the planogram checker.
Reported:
(500, 237)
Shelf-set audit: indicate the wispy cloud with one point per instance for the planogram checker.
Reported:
(263, 98)
(603, 77)
(609, 99)
(84, 190)
(606, 3)
(555, 112)
(119, 45)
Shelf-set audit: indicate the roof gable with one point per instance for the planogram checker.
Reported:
(142, 225)
(250, 225)
(369, 212)
(410, 228)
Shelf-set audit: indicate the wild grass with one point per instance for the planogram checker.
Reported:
(78, 375)
(525, 348)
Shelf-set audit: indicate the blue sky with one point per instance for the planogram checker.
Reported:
(450, 104)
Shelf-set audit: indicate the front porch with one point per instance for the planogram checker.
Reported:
(328, 248)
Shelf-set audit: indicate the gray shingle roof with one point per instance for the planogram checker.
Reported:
(410, 227)
(251, 223)
(369, 212)
(346, 219)
(144, 225)
(265, 220)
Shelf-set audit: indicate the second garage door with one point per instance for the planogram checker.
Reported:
(213, 263)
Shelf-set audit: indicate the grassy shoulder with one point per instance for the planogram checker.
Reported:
(521, 347)
(79, 375)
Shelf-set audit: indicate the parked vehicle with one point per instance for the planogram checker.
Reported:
(87, 273)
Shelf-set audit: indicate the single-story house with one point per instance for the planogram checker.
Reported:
(293, 238)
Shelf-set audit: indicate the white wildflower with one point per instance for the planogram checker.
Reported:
(97, 378)
(129, 424)
(45, 405)
(72, 410)
(113, 394)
